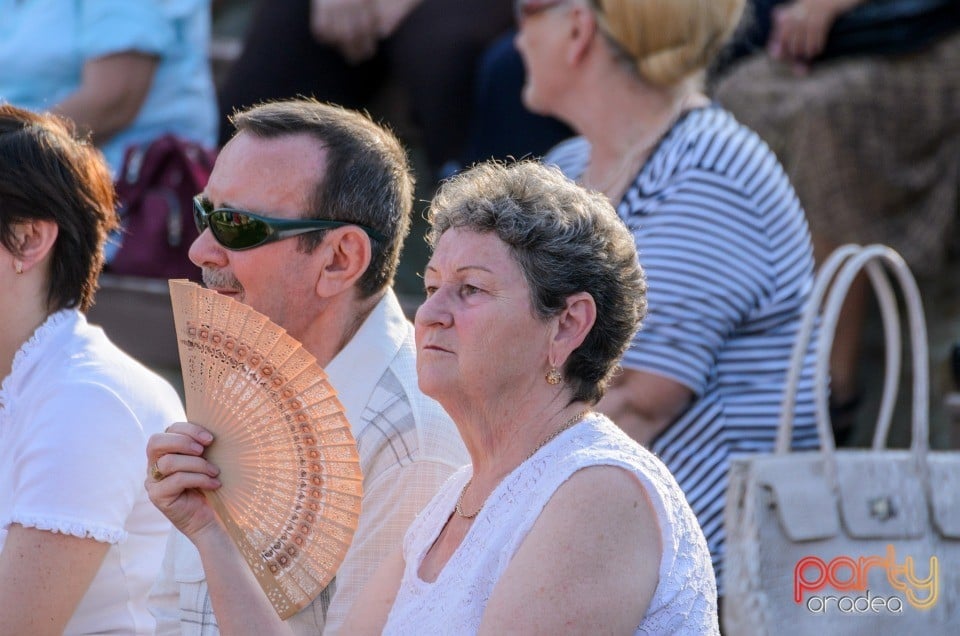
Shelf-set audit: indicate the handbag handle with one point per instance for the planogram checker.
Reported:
(809, 320)
(844, 264)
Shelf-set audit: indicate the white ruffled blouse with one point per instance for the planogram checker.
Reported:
(75, 415)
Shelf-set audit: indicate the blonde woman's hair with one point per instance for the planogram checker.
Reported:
(669, 40)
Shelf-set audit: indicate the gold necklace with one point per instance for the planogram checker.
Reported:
(573, 420)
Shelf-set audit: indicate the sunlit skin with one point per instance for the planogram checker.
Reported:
(539, 40)
(273, 177)
(572, 74)
(477, 303)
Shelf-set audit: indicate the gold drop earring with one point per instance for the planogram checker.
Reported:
(553, 376)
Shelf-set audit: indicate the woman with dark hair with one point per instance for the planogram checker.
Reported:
(80, 544)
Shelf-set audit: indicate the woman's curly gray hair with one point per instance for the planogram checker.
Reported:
(565, 240)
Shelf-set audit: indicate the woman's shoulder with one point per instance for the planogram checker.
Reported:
(97, 359)
(686, 583)
(603, 444)
(710, 138)
(71, 366)
(612, 489)
(711, 154)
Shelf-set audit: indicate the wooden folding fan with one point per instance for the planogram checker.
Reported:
(288, 461)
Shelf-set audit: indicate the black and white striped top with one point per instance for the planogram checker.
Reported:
(727, 253)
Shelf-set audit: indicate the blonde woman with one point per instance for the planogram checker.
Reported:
(719, 231)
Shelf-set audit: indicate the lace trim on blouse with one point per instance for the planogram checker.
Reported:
(79, 529)
(684, 601)
(27, 350)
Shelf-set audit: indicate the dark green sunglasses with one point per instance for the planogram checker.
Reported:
(241, 230)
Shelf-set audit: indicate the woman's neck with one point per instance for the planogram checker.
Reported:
(624, 118)
(499, 442)
(21, 317)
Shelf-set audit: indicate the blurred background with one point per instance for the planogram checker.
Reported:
(136, 311)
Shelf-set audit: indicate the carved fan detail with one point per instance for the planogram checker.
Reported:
(291, 477)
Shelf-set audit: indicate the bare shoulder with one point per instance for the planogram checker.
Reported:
(586, 561)
(598, 500)
(601, 487)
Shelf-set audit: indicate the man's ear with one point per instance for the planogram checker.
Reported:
(33, 241)
(345, 255)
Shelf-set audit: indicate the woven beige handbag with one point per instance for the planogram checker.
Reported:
(851, 541)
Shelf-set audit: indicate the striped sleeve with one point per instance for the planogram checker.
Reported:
(703, 251)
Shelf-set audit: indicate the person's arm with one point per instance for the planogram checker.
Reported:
(390, 503)
(112, 90)
(348, 25)
(799, 29)
(590, 563)
(43, 576)
(238, 601)
(390, 13)
(644, 404)
(701, 287)
(368, 615)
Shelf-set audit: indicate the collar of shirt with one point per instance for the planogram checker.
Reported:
(356, 370)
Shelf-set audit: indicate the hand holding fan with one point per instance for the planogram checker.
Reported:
(290, 473)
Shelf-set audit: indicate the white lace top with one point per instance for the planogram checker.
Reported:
(75, 415)
(685, 600)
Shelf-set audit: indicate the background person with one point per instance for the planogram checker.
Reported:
(331, 290)
(719, 231)
(533, 292)
(80, 544)
(126, 71)
(347, 51)
(868, 129)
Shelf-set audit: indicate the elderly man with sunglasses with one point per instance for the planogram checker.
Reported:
(307, 209)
